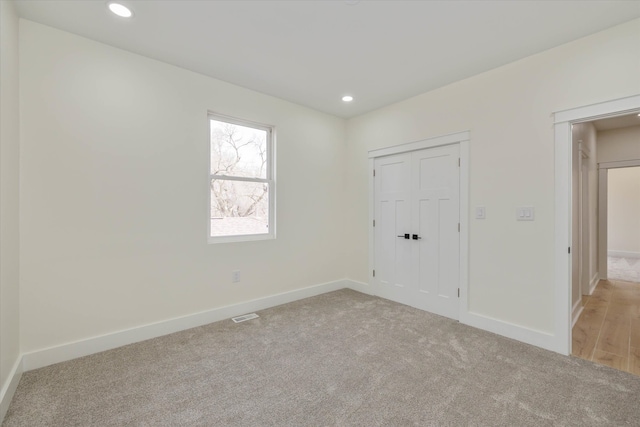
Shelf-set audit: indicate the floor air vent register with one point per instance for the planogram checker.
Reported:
(244, 317)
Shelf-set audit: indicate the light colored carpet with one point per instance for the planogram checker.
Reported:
(627, 269)
(338, 359)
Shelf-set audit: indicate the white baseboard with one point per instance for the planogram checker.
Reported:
(624, 254)
(576, 311)
(49, 356)
(593, 283)
(365, 288)
(542, 339)
(511, 330)
(519, 333)
(64, 352)
(9, 388)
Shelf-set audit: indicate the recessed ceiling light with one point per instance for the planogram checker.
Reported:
(347, 98)
(120, 10)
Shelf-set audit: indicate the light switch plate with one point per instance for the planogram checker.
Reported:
(525, 213)
(480, 212)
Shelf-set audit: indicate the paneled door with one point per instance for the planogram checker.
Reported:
(393, 246)
(417, 244)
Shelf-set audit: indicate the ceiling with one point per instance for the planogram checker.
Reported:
(314, 52)
(617, 122)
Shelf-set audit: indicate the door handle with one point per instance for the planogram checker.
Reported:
(416, 237)
(406, 236)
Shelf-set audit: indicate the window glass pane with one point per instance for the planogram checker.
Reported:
(238, 150)
(239, 208)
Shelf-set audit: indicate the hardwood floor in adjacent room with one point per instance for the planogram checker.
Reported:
(608, 330)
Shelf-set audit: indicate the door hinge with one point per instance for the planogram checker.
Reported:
(374, 273)
(458, 227)
(374, 172)
(569, 249)
(458, 292)
(374, 222)
(458, 161)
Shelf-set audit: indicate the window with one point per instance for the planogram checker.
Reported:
(242, 188)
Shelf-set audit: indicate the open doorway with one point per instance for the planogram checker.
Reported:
(606, 241)
(561, 339)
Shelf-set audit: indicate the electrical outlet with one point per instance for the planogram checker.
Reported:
(235, 276)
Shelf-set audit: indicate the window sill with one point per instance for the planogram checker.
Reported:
(243, 238)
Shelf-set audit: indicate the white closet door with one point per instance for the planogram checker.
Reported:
(435, 216)
(417, 194)
(393, 218)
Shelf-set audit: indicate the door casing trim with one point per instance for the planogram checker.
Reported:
(463, 139)
(603, 196)
(563, 120)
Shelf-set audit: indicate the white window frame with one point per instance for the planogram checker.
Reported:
(270, 179)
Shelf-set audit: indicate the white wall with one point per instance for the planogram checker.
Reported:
(623, 211)
(9, 186)
(508, 111)
(619, 144)
(585, 132)
(114, 176)
(114, 181)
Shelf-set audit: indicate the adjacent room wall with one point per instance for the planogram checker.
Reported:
(619, 144)
(509, 113)
(585, 133)
(114, 192)
(623, 210)
(9, 205)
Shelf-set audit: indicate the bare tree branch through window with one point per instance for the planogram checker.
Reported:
(239, 179)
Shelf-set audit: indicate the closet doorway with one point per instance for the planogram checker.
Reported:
(416, 235)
